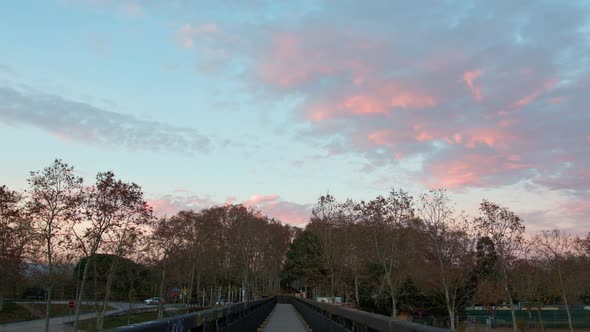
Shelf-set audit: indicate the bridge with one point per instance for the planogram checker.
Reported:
(279, 313)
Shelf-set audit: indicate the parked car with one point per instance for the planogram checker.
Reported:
(154, 300)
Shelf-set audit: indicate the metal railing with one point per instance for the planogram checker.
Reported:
(332, 318)
(245, 316)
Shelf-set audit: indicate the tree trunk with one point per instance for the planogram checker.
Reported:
(198, 287)
(452, 319)
(510, 302)
(356, 289)
(392, 291)
(445, 284)
(331, 285)
(48, 307)
(129, 307)
(100, 314)
(160, 303)
(80, 292)
(50, 284)
(564, 296)
(190, 288)
(211, 296)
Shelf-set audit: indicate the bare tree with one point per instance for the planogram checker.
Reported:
(56, 195)
(387, 218)
(531, 281)
(323, 218)
(452, 242)
(115, 208)
(559, 247)
(15, 237)
(506, 230)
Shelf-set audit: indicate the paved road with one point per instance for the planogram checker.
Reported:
(284, 318)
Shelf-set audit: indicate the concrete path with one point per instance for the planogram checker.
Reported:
(285, 318)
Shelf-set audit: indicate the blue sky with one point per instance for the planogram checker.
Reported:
(275, 103)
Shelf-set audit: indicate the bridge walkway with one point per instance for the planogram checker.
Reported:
(284, 318)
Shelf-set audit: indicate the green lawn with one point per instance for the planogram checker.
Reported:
(89, 325)
(12, 313)
(18, 312)
(59, 310)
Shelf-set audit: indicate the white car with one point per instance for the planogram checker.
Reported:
(153, 300)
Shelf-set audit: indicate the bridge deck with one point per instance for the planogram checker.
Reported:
(284, 317)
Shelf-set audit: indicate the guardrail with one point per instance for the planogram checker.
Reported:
(245, 316)
(332, 318)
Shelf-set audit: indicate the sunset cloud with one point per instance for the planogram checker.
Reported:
(272, 206)
(469, 78)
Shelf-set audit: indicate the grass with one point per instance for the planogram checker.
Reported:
(111, 322)
(20, 312)
(59, 310)
(12, 313)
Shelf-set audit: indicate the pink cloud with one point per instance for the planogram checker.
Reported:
(527, 99)
(492, 137)
(294, 60)
(406, 98)
(469, 77)
(258, 199)
(381, 99)
(547, 86)
(381, 137)
(578, 207)
(168, 205)
(460, 173)
(273, 206)
(424, 136)
(463, 169)
(364, 105)
(269, 205)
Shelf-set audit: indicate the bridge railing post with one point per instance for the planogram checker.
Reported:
(245, 316)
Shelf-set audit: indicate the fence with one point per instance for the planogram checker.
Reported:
(550, 319)
(331, 318)
(245, 316)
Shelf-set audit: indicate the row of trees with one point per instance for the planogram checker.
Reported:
(228, 253)
(85, 241)
(421, 255)
(391, 254)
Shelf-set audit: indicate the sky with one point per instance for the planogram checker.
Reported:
(274, 103)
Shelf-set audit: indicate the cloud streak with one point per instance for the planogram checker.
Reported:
(81, 122)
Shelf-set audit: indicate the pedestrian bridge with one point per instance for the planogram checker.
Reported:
(280, 313)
